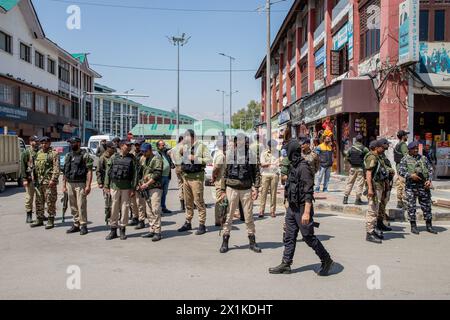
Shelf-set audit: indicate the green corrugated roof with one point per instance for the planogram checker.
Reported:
(164, 113)
(79, 56)
(8, 4)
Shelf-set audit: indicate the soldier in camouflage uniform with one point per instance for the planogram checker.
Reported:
(400, 151)
(355, 156)
(150, 187)
(137, 203)
(46, 175)
(269, 168)
(417, 172)
(26, 174)
(177, 159)
(382, 215)
(101, 173)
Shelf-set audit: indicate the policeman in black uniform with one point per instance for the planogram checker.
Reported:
(299, 215)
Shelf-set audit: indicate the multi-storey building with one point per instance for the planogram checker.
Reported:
(41, 84)
(337, 64)
(150, 115)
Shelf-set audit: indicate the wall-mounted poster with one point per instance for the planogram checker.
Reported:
(434, 63)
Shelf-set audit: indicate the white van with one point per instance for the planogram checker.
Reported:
(94, 141)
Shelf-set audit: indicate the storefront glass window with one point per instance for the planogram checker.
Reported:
(26, 99)
(40, 103)
(52, 105)
(6, 93)
(106, 116)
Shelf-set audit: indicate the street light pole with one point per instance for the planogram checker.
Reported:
(178, 41)
(223, 108)
(268, 87)
(231, 82)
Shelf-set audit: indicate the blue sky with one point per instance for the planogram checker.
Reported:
(137, 37)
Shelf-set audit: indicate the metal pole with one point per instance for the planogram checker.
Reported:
(231, 88)
(223, 110)
(178, 94)
(410, 109)
(268, 66)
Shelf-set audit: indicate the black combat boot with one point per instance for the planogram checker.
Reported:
(283, 268)
(224, 247)
(358, 202)
(345, 200)
(414, 229)
(123, 236)
(201, 230)
(382, 226)
(325, 267)
(38, 223)
(73, 229)
(183, 206)
(83, 230)
(50, 223)
(253, 246)
(430, 227)
(378, 233)
(133, 222)
(372, 238)
(186, 226)
(29, 217)
(156, 237)
(45, 218)
(112, 234)
(165, 210)
(141, 225)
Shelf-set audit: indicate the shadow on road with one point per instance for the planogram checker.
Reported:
(12, 190)
(335, 269)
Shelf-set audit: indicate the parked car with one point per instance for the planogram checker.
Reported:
(92, 155)
(94, 141)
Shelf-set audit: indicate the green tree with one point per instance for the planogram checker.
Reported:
(246, 118)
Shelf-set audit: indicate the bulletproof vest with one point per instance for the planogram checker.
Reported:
(356, 156)
(417, 166)
(238, 170)
(326, 158)
(192, 167)
(398, 155)
(381, 173)
(75, 169)
(294, 185)
(121, 168)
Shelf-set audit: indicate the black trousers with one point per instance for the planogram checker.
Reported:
(293, 226)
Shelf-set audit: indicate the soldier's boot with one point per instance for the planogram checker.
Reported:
(45, 218)
(224, 246)
(186, 226)
(382, 226)
(134, 222)
(283, 268)
(123, 236)
(201, 230)
(183, 206)
(400, 205)
(112, 234)
(73, 229)
(83, 230)
(38, 223)
(430, 227)
(372, 238)
(358, 202)
(156, 237)
(378, 233)
(325, 267)
(345, 201)
(29, 217)
(414, 229)
(141, 225)
(253, 246)
(50, 223)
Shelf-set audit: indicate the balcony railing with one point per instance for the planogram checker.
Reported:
(339, 11)
(319, 30)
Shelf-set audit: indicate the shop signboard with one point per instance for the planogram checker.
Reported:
(284, 117)
(408, 42)
(350, 32)
(13, 113)
(319, 56)
(341, 37)
(296, 112)
(315, 107)
(434, 63)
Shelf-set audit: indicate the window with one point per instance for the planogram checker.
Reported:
(51, 66)
(39, 59)
(25, 53)
(423, 25)
(40, 103)
(6, 94)
(64, 71)
(370, 43)
(75, 108)
(439, 25)
(106, 116)
(320, 12)
(26, 99)
(97, 118)
(52, 106)
(67, 111)
(74, 77)
(88, 112)
(5, 42)
(339, 61)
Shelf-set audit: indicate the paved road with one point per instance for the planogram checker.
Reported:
(34, 262)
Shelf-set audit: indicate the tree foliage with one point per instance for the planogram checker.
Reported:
(247, 118)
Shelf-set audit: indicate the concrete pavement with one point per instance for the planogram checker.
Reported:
(34, 262)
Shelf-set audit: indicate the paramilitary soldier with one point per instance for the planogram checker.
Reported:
(150, 188)
(400, 151)
(28, 157)
(355, 156)
(120, 181)
(137, 203)
(177, 159)
(300, 213)
(382, 215)
(376, 177)
(195, 158)
(77, 181)
(217, 177)
(241, 182)
(46, 174)
(101, 174)
(417, 172)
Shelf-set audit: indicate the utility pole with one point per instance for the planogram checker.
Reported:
(178, 41)
(223, 108)
(268, 72)
(231, 82)
(231, 116)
